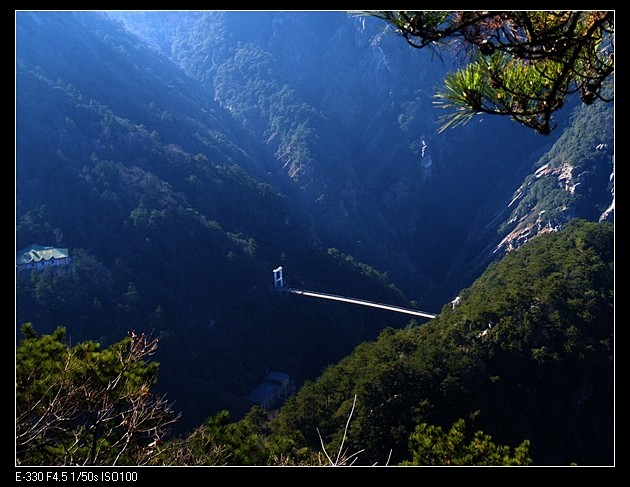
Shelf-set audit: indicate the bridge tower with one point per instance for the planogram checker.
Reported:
(277, 277)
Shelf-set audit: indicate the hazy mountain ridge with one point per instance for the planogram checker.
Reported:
(149, 215)
(249, 80)
(360, 139)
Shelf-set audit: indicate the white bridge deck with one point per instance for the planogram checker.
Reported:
(362, 302)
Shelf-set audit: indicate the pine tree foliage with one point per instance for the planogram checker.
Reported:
(522, 63)
(83, 405)
(431, 445)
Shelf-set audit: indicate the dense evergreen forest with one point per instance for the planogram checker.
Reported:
(526, 354)
(525, 360)
(181, 156)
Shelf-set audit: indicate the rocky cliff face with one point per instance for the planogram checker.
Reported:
(534, 222)
(575, 179)
(608, 215)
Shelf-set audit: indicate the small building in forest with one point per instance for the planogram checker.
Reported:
(273, 391)
(40, 257)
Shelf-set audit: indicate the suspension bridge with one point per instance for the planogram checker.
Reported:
(279, 286)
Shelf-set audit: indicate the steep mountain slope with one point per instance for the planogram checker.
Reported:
(526, 354)
(346, 108)
(123, 160)
(573, 180)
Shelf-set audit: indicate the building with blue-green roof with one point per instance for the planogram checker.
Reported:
(40, 257)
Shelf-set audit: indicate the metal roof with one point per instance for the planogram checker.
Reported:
(36, 253)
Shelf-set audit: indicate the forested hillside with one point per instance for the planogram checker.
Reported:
(180, 157)
(526, 354)
(146, 182)
(520, 371)
(347, 109)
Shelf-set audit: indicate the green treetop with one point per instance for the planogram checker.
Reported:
(81, 405)
(521, 64)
